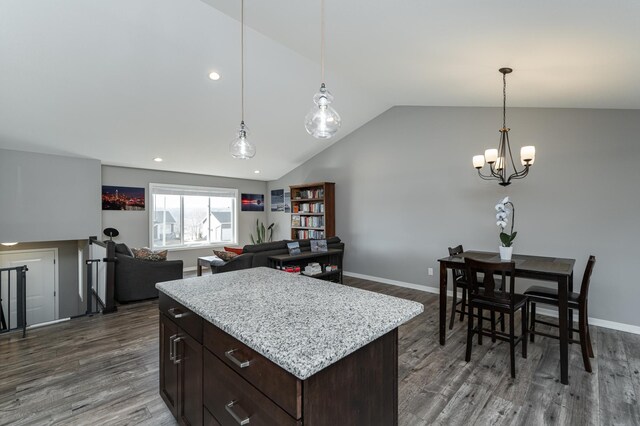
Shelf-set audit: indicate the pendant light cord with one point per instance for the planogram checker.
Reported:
(322, 41)
(242, 60)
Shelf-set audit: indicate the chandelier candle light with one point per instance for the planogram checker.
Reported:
(241, 147)
(501, 159)
(322, 122)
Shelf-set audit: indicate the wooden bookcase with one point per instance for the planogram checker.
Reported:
(313, 210)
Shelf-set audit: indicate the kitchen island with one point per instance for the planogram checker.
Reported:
(264, 347)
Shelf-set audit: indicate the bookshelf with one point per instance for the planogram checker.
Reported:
(313, 210)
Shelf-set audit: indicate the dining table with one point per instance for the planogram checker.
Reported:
(552, 269)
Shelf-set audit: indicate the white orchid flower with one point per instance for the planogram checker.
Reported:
(501, 215)
(505, 200)
(499, 207)
(502, 224)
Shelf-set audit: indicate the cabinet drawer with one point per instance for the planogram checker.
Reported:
(209, 420)
(279, 385)
(231, 399)
(190, 322)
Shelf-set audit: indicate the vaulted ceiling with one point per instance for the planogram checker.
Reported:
(125, 81)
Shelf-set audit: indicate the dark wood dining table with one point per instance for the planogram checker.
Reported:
(553, 269)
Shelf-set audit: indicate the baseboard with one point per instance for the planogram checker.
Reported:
(549, 312)
(190, 268)
(43, 324)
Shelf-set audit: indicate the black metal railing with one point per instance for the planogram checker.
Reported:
(101, 286)
(19, 287)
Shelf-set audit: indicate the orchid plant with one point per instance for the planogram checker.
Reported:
(502, 219)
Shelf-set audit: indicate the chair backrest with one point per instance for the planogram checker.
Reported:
(486, 288)
(586, 279)
(458, 274)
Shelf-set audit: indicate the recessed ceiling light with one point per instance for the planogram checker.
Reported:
(256, 171)
(214, 76)
(158, 160)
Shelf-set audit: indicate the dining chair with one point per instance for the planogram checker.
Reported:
(459, 281)
(579, 301)
(485, 294)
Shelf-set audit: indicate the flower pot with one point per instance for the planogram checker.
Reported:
(505, 253)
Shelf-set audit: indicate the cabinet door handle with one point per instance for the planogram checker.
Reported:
(175, 312)
(236, 361)
(175, 350)
(238, 414)
(172, 355)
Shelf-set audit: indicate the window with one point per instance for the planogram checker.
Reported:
(190, 216)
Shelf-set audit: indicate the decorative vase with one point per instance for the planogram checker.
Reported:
(505, 253)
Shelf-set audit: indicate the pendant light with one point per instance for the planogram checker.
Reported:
(322, 122)
(241, 147)
(501, 159)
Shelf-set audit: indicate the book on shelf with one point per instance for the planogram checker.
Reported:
(307, 234)
(310, 193)
(295, 221)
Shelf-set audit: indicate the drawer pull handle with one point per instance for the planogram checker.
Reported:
(236, 361)
(175, 312)
(238, 414)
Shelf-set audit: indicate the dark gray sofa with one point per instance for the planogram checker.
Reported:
(136, 279)
(255, 255)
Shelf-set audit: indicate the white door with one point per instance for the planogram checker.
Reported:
(41, 284)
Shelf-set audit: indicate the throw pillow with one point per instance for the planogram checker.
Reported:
(148, 254)
(233, 250)
(224, 255)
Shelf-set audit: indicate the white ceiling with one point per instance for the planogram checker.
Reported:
(126, 80)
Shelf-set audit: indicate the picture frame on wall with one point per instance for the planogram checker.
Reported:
(252, 202)
(123, 198)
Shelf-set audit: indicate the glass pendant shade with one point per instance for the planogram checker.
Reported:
(322, 121)
(240, 147)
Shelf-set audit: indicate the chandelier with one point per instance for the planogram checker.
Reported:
(322, 122)
(241, 147)
(500, 160)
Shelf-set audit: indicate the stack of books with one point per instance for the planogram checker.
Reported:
(312, 269)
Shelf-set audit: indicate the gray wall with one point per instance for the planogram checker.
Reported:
(69, 302)
(48, 197)
(406, 190)
(134, 226)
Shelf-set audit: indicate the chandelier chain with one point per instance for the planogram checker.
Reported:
(504, 100)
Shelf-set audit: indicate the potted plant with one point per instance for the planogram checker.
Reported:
(261, 233)
(502, 219)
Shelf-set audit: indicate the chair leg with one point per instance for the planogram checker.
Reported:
(571, 325)
(493, 326)
(532, 329)
(464, 304)
(480, 315)
(502, 323)
(453, 305)
(512, 345)
(469, 333)
(525, 325)
(586, 319)
(582, 327)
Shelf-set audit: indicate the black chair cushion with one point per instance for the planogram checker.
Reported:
(519, 300)
(540, 292)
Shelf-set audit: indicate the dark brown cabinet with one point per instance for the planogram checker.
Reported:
(181, 363)
(209, 377)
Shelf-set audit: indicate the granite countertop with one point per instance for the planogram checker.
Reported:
(300, 323)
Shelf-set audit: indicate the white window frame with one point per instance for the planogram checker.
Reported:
(151, 201)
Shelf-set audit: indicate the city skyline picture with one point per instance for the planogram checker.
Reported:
(122, 198)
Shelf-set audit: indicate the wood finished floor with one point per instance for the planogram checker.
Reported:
(104, 370)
